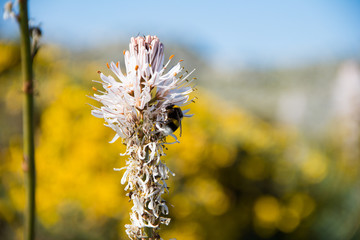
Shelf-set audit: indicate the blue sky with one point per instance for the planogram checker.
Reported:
(224, 32)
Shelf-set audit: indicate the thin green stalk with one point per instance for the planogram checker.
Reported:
(28, 121)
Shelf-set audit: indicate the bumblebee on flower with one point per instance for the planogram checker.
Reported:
(143, 108)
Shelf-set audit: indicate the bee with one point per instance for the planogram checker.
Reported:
(173, 119)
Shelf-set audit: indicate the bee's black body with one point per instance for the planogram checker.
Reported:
(174, 117)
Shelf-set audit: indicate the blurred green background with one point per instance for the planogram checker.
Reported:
(272, 151)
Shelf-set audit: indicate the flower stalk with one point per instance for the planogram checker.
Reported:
(28, 120)
(144, 108)
(149, 232)
(29, 42)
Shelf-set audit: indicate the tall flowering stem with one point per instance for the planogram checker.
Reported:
(143, 107)
(29, 40)
(28, 121)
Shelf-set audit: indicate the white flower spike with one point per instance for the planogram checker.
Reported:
(143, 106)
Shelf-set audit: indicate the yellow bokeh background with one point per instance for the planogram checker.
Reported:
(237, 175)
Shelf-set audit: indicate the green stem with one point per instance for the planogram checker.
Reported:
(149, 233)
(28, 121)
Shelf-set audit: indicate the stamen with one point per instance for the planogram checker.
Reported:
(109, 86)
(107, 64)
(181, 60)
(149, 65)
(175, 74)
(171, 57)
(136, 67)
(94, 88)
(124, 52)
(117, 64)
(99, 72)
